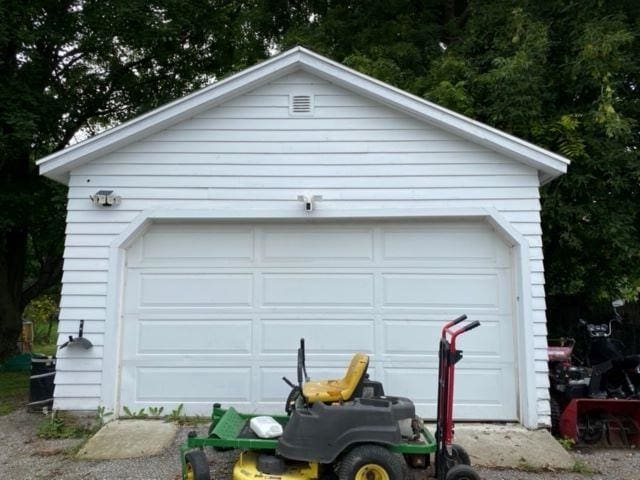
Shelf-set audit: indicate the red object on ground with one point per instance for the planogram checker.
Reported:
(448, 356)
(611, 410)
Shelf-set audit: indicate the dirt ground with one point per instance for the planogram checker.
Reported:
(24, 456)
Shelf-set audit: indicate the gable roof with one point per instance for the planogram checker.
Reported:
(58, 164)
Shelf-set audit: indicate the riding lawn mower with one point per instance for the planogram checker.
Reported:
(343, 428)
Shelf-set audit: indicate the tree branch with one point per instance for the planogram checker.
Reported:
(50, 274)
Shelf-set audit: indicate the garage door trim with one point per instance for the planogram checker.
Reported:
(110, 394)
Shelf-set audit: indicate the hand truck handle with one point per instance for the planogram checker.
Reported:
(450, 324)
(470, 326)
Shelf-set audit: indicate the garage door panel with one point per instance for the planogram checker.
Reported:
(337, 336)
(311, 244)
(411, 337)
(210, 337)
(195, 290)
(174, 245)
(478, 291)
(418, 339)
(490, 343)
(317, 289)
(440, 247)
(475, 389)
(225, 384)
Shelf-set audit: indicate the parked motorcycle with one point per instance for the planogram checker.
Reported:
(599, 400)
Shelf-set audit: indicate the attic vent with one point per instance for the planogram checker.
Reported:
(301, 105)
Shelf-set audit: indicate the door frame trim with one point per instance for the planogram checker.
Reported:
(525, 363)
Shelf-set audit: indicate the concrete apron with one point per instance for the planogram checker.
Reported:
(128, 439)
(489, 445)
(512, 446)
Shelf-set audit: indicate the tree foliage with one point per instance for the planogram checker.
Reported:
(80, 65)
(560, 73)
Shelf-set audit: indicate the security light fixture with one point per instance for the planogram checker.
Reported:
(104, 198)
(308, 201)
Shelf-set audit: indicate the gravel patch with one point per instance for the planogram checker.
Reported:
(24, 456)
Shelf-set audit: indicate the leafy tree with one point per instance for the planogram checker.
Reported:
(72, 65)
(562, 74)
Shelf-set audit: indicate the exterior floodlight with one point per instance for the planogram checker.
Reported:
(308, 201)
(104, 198)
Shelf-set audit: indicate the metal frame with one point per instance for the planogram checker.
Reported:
(448, 356)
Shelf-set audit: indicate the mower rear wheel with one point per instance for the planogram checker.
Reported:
(459, 455)
(197, 466)
(462, 472)
(370, 462)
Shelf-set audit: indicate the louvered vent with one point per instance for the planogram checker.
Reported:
(301, 105)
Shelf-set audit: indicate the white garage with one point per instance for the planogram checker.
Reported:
(196, 267)
(230, 301)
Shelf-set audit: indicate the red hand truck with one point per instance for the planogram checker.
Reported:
(451, 459)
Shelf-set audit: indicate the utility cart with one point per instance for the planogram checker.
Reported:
(340, 427)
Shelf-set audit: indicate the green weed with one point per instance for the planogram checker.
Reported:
(580, 467)
(101, 416)
(567, 443)
(60, 425)
(155, 412)
(176, 415)
(133, 414)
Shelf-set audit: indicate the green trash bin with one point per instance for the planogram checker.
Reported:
(17, 363)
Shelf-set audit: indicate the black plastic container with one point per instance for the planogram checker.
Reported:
(43, 372)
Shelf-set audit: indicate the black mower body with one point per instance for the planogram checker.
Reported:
(320, 433)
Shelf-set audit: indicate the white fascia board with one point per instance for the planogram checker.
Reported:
(465, 127)
(59, 163)
(166, 115)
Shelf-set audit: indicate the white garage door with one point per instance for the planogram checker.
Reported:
(213, 312)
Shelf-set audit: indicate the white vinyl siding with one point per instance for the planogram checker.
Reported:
(250, 151)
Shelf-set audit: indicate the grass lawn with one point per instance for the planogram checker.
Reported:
(14, 391)
(45, 348)
(14, 386)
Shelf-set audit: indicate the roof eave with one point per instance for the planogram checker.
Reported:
(57, 165)
(432, 113)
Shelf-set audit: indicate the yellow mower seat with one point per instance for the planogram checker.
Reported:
(337, 390)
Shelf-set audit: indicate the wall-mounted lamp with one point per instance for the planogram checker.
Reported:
(308, 201)
(105, 198)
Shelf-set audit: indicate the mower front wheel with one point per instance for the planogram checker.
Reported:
(370, 462)
(197, 466)
(462, 472)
